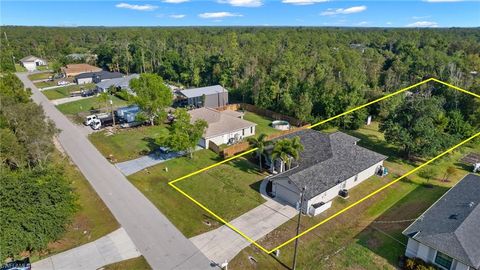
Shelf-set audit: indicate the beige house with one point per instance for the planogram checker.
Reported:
(32, 62)
(224, 127)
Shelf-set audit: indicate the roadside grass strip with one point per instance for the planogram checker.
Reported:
(172, 183)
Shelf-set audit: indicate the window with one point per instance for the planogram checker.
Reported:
(356, 178)
(443, 260)
(243, 132)
(251, 130)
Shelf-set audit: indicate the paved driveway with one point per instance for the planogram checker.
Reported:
(162, 245)
(223, 244)
(113, 247)
(135, 165)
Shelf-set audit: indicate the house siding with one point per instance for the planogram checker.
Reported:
(285, 190)
(224, 138)
(84, 80)
(416, 249)
(211, 101)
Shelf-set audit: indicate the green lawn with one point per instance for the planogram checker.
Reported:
(129, 143)
(229, 190)
(20, 68)
(40, 76)
(138, 263)
(357, 239)
(84, 105)
(63, 92)
(263, 123)
(92, 220)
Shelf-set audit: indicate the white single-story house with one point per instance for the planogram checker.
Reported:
(32, 62)
(329, 164)
(122, 83)
(224, 127)
(448, 233)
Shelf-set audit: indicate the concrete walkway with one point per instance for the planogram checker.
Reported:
(112, 248)
(224, 244)
(68, 99)
(162, 245)
(132, 166)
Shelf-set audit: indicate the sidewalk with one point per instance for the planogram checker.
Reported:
(223, 244)
(67, 99)
(112, 248)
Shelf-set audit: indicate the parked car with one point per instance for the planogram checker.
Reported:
(62, 83)
(88, 93)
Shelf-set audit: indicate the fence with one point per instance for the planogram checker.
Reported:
(243, 146)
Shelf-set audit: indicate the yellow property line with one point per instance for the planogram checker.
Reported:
(171, 183)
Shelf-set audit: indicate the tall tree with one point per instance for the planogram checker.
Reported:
(287, 150)
(152, 96)
(260, 143)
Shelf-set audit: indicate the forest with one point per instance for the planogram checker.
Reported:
(309, 73)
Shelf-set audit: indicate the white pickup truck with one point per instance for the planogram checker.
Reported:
(91, 118)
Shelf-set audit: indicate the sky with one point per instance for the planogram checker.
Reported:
(406, 13)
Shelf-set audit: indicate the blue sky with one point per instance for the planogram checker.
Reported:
(419, 13)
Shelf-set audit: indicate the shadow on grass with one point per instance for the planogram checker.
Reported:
(152, 146)
(384, 236)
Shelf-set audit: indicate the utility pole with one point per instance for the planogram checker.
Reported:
(113, 115)
(298, 227)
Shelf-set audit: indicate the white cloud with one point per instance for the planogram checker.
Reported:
(441, 1)
(303, 2)
(388, 23)
(242, 3)
(420, 17)
(175, 1)
(146, 7)
(362, 23)
(423, 24)
(217, 15)
(350, 10)
(177, 16)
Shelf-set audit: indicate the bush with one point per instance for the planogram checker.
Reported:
(418, 264)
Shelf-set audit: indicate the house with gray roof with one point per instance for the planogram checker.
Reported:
(96, 77)
(122, 83)
(211, 96)
(448, 233)
(330, 163)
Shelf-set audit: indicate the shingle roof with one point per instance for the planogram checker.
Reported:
(452, 224)
(103, 75)
(80, 68)
(118, 82)
(198, 92)
(327, 160)
(219, 123)
(30, 58)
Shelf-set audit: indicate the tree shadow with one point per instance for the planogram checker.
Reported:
(383, 236)
(152, 146)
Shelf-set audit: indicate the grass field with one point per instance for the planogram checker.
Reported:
(229, 189)
(92, 220)
(40, 76)
(84, 105)
(360, 238)
(20, 68)
(138, 263)
(263, 123)
(128, 143)
(63, 92)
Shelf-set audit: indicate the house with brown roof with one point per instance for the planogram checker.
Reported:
(72, 70)
(224, 127)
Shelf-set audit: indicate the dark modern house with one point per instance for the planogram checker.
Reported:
(448, 233)
(211, 96)
(96, 77)
(331, 163)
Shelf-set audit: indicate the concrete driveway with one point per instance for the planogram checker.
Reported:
(162, 245)
(112, 248)
(223, 244)
(136, 165)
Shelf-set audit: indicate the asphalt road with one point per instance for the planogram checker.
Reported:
(163, 246)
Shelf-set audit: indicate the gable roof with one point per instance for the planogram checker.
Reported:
(198, 92)
(219, 122)
(451, 225)
(327, 160)
(30, 58)
(102, 75)
(122, 82)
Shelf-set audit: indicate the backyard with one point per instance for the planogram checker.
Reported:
(368, 236)
(127, 144)
(64, 92)
(229, 190)
(263, 123)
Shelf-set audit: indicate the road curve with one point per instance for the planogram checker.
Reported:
(163, 246)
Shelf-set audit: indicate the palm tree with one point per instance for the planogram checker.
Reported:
(260, 143)
(287, 150)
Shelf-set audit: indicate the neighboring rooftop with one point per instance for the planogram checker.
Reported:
(452, 224)
(219, 122)
(80, 68)
(30, 58)
(101, 75)
(198, 92)
(122, 82)
(327, 160)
